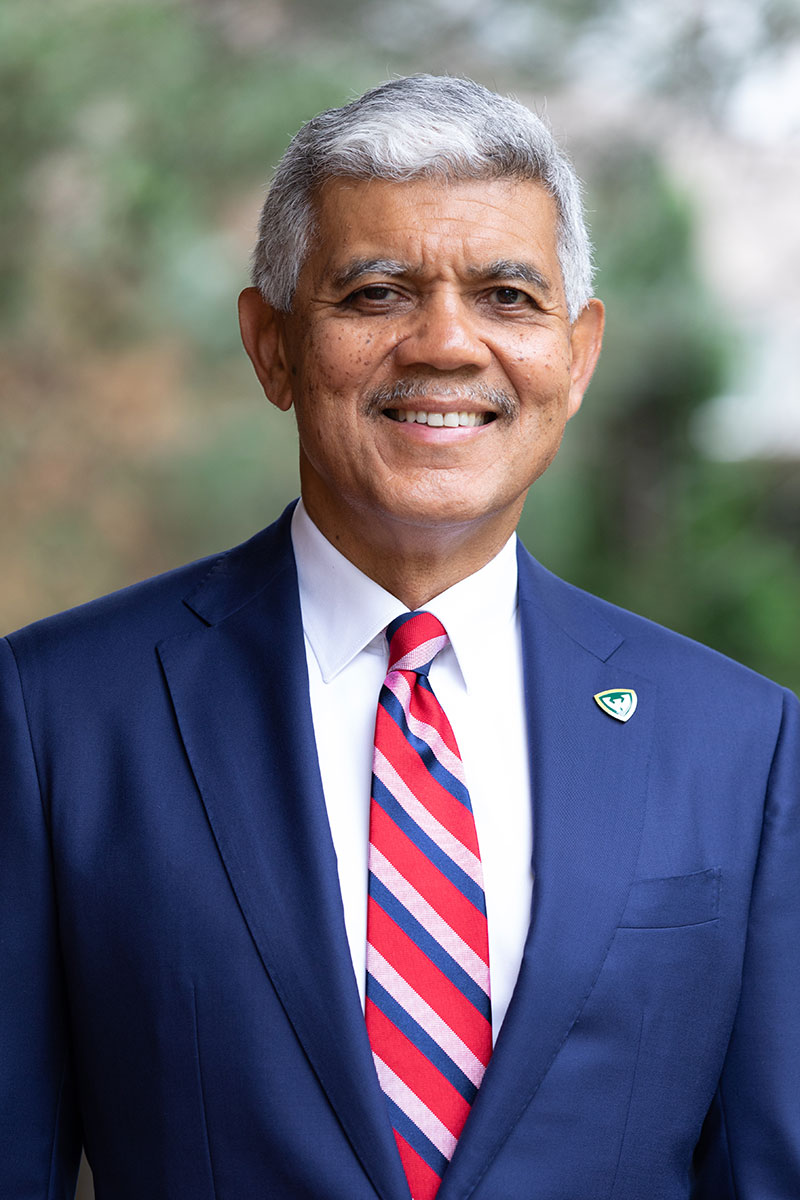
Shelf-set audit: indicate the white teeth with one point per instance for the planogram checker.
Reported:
(449, 419)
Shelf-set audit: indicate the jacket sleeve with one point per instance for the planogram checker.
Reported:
(39, 1130)
(750, 1149)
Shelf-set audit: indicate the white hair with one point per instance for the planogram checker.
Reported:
(417, 127)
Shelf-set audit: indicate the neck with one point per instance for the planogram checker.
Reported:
(414, 562)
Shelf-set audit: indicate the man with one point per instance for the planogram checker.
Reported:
(583, 837)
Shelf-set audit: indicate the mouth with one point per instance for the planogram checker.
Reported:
(442, 404)
(447, 420)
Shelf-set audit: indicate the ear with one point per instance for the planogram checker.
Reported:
(262, 329)
(586, 338)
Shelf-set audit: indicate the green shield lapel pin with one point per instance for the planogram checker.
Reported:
(619, 703)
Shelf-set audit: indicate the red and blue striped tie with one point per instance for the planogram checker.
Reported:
(427, 1009)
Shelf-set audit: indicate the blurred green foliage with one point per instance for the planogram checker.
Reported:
(138, 137)
(631, 510)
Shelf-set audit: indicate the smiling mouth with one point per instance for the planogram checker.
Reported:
(448, 420)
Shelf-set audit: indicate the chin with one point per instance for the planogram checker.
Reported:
(441, 512)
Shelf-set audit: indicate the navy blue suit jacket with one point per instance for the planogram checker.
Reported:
(176, 987)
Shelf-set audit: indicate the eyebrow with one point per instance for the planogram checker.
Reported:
(368, 266)
(507, 268)
(501, 268)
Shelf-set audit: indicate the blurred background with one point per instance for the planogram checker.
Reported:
(137, 139)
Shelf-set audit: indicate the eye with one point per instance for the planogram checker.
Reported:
(374, 295)
(377, 291)
(510, 296)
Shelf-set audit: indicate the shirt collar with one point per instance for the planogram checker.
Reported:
(345, 612)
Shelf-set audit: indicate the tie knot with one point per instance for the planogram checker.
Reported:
(414, 641)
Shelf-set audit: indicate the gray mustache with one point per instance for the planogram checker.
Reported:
(469, 395)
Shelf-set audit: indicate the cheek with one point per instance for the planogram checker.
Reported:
(543, 390)
(538, 367)
(339, 361)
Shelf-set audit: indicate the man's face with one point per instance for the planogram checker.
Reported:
(418, 303)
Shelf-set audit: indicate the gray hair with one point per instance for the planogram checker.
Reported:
(417, 127)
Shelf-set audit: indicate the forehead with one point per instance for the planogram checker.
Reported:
(432, 224)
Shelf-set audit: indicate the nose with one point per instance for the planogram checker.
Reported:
(443, 335)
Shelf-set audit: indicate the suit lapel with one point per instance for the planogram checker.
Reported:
(240, 691)
(589, 778)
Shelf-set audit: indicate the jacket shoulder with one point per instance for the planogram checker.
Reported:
(625, 638)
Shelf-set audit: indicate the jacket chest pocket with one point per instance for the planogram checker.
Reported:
(673, 902)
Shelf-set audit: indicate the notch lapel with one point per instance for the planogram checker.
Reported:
(588, 785)
(240, 690)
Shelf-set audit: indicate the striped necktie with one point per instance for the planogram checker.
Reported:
(428, 1011)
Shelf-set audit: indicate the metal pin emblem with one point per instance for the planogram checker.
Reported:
(619, 703)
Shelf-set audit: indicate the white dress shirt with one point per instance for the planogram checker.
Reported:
(477, 679)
